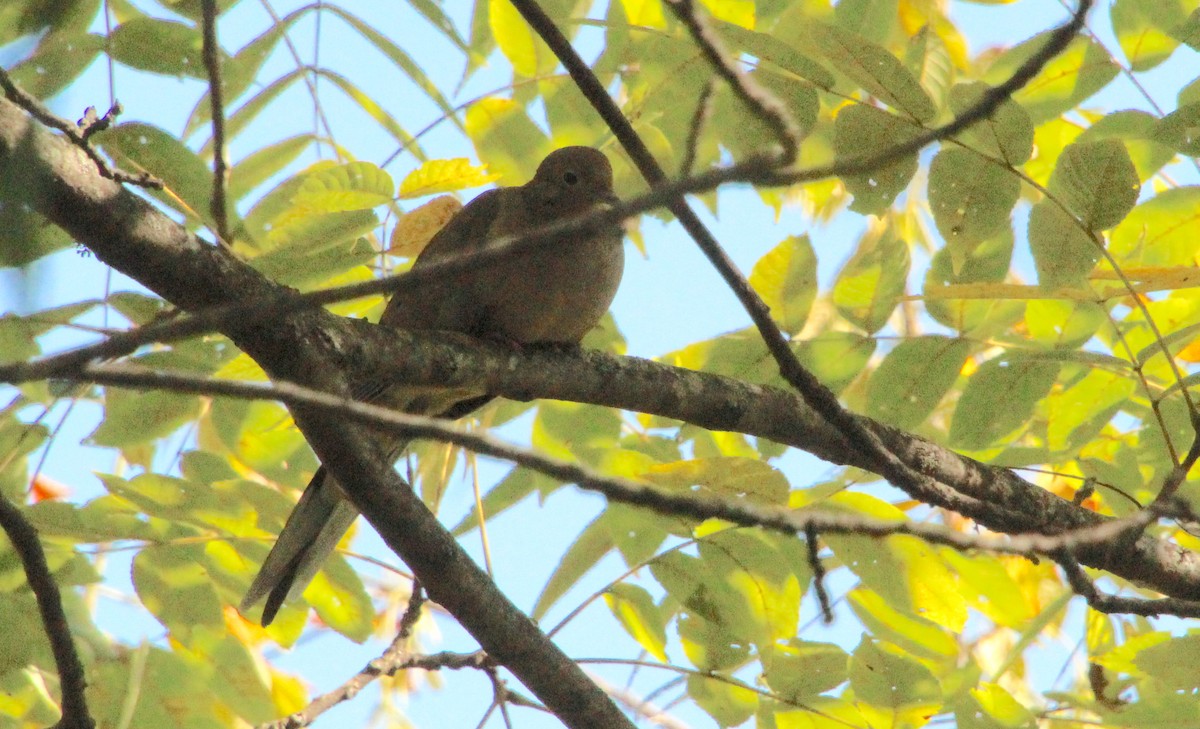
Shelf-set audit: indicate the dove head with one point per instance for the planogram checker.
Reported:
(571, 181)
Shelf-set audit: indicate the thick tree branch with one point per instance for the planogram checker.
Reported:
(306, 347)
(1096, 535)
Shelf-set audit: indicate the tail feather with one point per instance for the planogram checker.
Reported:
(312, 531)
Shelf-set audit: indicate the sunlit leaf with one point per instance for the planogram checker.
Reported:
(998, 399)
(786, 278)
(913, 379)
(1097, 182)
(861, 130)
(443, 175)
(872, 67)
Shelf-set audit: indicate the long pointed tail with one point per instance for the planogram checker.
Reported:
(312, 531)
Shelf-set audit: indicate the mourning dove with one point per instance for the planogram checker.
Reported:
(552, 293)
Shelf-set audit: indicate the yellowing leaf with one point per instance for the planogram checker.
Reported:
(514, 36)
(648, 13)
(352, 186)
(444, 175)
(738, 12)
(786, 278)
(640, 617)
(417, 227)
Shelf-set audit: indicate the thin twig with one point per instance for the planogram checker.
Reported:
(38, 111)
(616, 489)
(393, 660)
(643, 707)
(1110, 604)
(815, 394)
(704, 108)
(818, 570)
(762, 103)
(216, 100)
(24, 540)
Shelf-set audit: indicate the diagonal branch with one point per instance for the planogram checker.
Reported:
(24, 540)
(764, 104)
(880, 458)
(78, 134)
(307, 347)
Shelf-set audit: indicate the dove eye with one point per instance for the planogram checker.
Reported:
(570, 178)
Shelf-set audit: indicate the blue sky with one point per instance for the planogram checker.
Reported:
(668, 299)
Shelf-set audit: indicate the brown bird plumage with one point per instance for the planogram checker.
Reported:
(553, 293)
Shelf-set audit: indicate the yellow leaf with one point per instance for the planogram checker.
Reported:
(738, 12)
(417, 227)
(513, 36)
(444, 175)
(646, 13)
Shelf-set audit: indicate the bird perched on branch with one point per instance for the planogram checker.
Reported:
(554, 293)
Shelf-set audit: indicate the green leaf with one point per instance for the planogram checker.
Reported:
(928, 58)
(800, 670)
(767, 47)
(1140, 132)
(913, 378)
(1071, 77)
(341, 601)
(239, 72)
(989, 706)
(137, 147)
(175, 499)
(402, 60)
(917, 635)
(58, 61)
(589, 547)
(873, 280)
(1063, 252)
(972, 199)
(1097, 182)
(835, 358)
(25, 235)
(728, 704)
(1160, 231)
(575, 431)
(1007, 134)
(1180, 130)
(726, 478)
(999, 399)
(861, 130)
(173, 584)
(258, 433)
(874, 69)
(890, 687)
(506, 139)
(1148, 30)
(759, 590)
(1063, 324)
(786, 278)
(338, 188)
(132, 417)
(988, 263)
(513, 488)
(635, 610)
(262, 164)
(1163, 662)
(1078, 413)
(160, 46)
